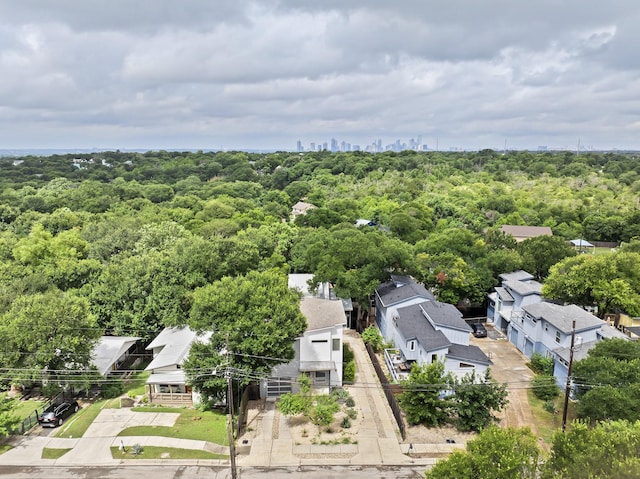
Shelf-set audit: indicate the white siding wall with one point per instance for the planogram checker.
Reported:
(453, 366)
(455, 336)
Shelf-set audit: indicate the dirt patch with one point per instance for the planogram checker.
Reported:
(440, 435)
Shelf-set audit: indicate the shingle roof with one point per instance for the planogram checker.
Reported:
(526, 231)
(504, 294)
(562, 317)
(109, 349)
(412, 324)
(322, 313)
(519, 275)
(176, 343)
(444, 314)
(401, 288)
(523, 288)
(468, 353)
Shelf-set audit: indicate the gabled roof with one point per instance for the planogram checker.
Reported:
(470, 353)
(176, 343)
(504, 294)
(562, 317)
(412, 324)
(402, 288)
(322, 313)
(445, 315)
(581, 243)
(519, 275)
(518, 231)
(523, 288)
(109, 349)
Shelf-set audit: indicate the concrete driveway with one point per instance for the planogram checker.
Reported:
(510, 367)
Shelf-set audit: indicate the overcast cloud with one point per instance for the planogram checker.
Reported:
(238, 74)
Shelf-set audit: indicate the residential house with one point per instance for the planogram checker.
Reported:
(505, 303)
(114, 352)
(562, 355)
(521, 233)
(167, 383)
(433, 331)
(301, 208)
(399, 292)
(318, 352)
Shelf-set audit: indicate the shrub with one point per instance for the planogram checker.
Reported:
(352, 413)
(550, 406)
(545, 387)
(137, 449)
(112, 389)
(541, 365)
(346, 422)
(349, 373)
(350, 402)
(372, 336)
(340, 394)
(347, 354)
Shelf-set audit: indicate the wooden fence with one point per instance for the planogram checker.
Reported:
(389, 389)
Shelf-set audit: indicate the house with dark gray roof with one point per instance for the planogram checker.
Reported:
(505, 303)
(433, 331)
(398, 292)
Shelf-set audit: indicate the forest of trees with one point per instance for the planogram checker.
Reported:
(127, 243)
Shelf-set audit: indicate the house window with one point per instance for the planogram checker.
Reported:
(466, 365)
(321, 374)
(434, 358)
(335, 344)
(319, 340)
(412, 345)
(557, 336)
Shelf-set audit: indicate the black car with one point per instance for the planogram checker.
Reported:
(479, 331)
(55, 414)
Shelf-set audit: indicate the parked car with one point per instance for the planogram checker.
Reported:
(479, 331)
(56, 414)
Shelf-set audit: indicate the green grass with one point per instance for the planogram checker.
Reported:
(153, 452)
(192, 424)
(4, 448)
(50, 453)
(135, 386)
(77, 424)
(23, 409)
(548, 423)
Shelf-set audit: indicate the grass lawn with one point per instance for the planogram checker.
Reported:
(4, 448)
(23, 409)
(192, 424)
(50, 453)
(548, 423)
(77, 424)
(135, 386)
(153, 452)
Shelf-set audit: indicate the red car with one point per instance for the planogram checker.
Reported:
(55, 414)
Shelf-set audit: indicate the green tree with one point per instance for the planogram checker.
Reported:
(261, 317)
(539, 254)
(372, 336)
(475, 401)
(422, 399)
(49, 335)
(495, 454)
(8, 420)
(608, 450)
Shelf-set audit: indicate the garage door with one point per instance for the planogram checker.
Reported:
(276, 387)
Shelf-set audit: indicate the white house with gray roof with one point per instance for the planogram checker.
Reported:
(505, 303)
(167, 382)
(318, 352)
(433, 331)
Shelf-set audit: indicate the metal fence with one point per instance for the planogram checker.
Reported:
(32, 419)
(388, 389)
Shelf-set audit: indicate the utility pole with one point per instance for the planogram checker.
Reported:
(232, 447)
(567, 388)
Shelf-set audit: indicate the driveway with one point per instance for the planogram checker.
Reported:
(510, 367)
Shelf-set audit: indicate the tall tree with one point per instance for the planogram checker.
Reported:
(421, 397)
(261, 317)
(539, 254)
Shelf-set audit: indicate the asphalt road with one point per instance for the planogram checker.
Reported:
(172, 471)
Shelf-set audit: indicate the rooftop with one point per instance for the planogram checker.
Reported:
(562, 317)
(401, 288)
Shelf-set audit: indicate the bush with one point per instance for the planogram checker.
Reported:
(112, 389)
(550, 406)
(352, 413)
(372, 336)
(340, 394)
(346, 422)
(347, 354)
(349, 373)
(545, 387)
(350, 402)
(541, 365)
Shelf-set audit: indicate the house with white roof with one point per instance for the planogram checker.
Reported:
(112, 352)
(167, 383)
(505, 303)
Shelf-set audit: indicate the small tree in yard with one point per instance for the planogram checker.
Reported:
(422, 399)
(475, 401)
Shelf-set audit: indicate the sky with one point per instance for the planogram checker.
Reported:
(236, 74)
